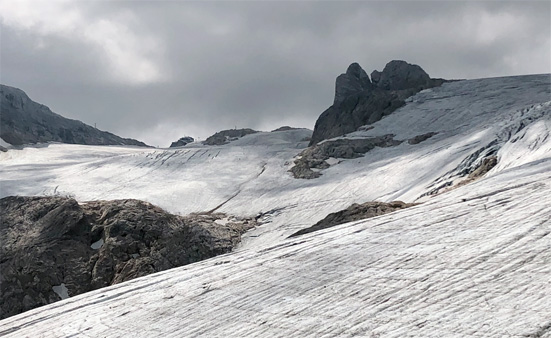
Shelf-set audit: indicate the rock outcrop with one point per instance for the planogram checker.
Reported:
(359, 101)
(314, 158)
(24, 121)
(400, 75)
(355, 80)
(226, 136)
(420, 138)
(182, 141)
(355, 212)
(53, 247)
(284, 128)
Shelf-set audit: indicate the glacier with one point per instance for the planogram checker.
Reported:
(471, 261)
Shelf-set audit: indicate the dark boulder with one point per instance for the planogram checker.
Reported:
(400, 75)
(355, 80)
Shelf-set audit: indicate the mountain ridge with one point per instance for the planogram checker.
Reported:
(24, 121)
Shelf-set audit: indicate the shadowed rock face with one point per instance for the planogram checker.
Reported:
(400, 75)
(48, 242)
(359, 101)
(24, 121)
(355, 80)
(355, 212)
(226, 136)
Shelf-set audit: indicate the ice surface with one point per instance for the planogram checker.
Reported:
(475, 261)
(471, 262)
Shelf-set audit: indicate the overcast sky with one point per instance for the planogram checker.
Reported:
(159, 70)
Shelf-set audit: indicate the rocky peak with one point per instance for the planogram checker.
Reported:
(400, 75)
(355, 80)
(370, 99)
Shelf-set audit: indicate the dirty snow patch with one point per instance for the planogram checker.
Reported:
(61, 291)
(98, 244)
(332, 161)
(222, 221)
(4, 143)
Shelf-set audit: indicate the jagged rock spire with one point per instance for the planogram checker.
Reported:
(353, 81)
(375, 98)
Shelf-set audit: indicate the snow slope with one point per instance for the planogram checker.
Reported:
(249, 176)
(474, 261)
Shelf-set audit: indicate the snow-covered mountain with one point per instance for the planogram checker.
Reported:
(470, 260)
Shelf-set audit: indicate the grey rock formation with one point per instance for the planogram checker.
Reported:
(400, 75)
(356, 110)
(226, 136)
(355, 212)
(355, 80)
(375, 77)
(24, 121)
(315, 157)
(52, 243)
(182, 141)
(284, 128)
(359, 101)
(420, 138)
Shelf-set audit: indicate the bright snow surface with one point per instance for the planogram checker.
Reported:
(475, 261)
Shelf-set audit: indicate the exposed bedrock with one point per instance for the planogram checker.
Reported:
(355, 212)
(226, 136)
(182, 141)
(24, 121)
(54, 243)
(312, 160)
(360, 101)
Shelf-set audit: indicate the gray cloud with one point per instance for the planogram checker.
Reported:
(160, 70)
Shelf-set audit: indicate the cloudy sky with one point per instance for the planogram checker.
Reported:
(159, 70)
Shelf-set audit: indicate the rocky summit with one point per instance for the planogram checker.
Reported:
(353, 81)
(55, 247)
(360, 101)
(24, 121)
